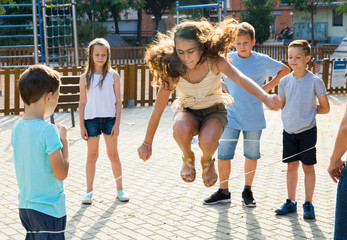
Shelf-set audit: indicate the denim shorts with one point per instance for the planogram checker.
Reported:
(96, 126)
(33, 220)
(202, 115)
(251, 144)
(295, 143)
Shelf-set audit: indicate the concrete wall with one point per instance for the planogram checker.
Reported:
(324, 15)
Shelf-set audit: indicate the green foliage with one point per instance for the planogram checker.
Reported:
(256, 10)
(157, 9)
(341, 9)
(84, 31)
(308, 5)
(196, 14)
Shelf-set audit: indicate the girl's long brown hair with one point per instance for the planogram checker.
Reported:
(212, 41)
(91, 66)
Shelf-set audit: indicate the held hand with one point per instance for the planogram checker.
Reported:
(62, 130)
(335, 169)
(84, 133)
(145, 151)
(273, 102)
(115, 131)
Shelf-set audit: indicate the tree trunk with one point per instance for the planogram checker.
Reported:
(139, 23)
(157, 20)
(313, 42)
(115, 19)
(93, 25)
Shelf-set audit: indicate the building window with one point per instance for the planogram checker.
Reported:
(337, 19)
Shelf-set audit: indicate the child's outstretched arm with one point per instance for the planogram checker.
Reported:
(272, 101)
(336, 163)
(60, 158)
(276, 80)
(82, 105)
(145, 150)
(323, 105)
(117, 92)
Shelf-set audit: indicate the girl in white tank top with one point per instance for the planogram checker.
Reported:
(100, 111)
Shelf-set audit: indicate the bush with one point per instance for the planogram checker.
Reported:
(84, 31)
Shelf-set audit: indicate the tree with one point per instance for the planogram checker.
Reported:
(196, 13)
(256, 10)
(310, 6)
(138, 5)
(157, 9)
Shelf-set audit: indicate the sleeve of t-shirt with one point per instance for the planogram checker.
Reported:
(272, 66)
(52, 139)
(319, 88)
(281, 92)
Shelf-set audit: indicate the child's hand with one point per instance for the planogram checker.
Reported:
(84, 133)
(145, 151)
(115, 131)
(273, 102)
(62, 130)
(335, 169)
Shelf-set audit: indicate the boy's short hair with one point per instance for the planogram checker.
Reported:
(36, 81)
(306, 47)
(245, 28)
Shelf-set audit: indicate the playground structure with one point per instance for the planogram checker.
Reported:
(200, 6)
(59, 34)
(35, 13)
(60, 31)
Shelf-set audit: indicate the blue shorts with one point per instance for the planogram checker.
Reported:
(96, 126)
(33, 220)
(295, 143)
(251, 149)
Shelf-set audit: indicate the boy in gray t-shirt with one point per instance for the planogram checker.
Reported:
(299, 92)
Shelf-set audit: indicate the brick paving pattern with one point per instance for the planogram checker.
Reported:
(161, 205)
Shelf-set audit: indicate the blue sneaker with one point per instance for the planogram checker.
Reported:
(88, 199)
(288, 207)
(308, 210)
(122, 196)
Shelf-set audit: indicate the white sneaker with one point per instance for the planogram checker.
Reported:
(122, 196)
(88, 199)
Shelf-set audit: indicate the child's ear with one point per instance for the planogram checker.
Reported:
(308, 58)
(48, 97)
(253, 41)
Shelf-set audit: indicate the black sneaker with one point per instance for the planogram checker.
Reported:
(217, 197)
(247, 198)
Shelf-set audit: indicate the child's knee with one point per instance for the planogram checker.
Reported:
(308, 169)
(293, 166)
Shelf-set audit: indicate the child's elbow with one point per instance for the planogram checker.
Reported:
(62, 175)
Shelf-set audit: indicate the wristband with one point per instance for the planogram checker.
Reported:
(146, 144)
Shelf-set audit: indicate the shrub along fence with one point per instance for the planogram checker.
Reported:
(135, 83)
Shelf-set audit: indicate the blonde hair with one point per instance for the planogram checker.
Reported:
(91, 66)
(212, 41)
(245, 28)
(306, 47)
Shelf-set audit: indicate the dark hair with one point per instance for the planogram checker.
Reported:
(36, 81)
(91, 66)
(212, 41)
(306, 47)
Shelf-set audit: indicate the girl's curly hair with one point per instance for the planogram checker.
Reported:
(212, 40)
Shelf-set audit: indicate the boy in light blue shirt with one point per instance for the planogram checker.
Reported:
(40, 156)
(246, 114)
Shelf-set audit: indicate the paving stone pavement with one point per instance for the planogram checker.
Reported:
(162, 206)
